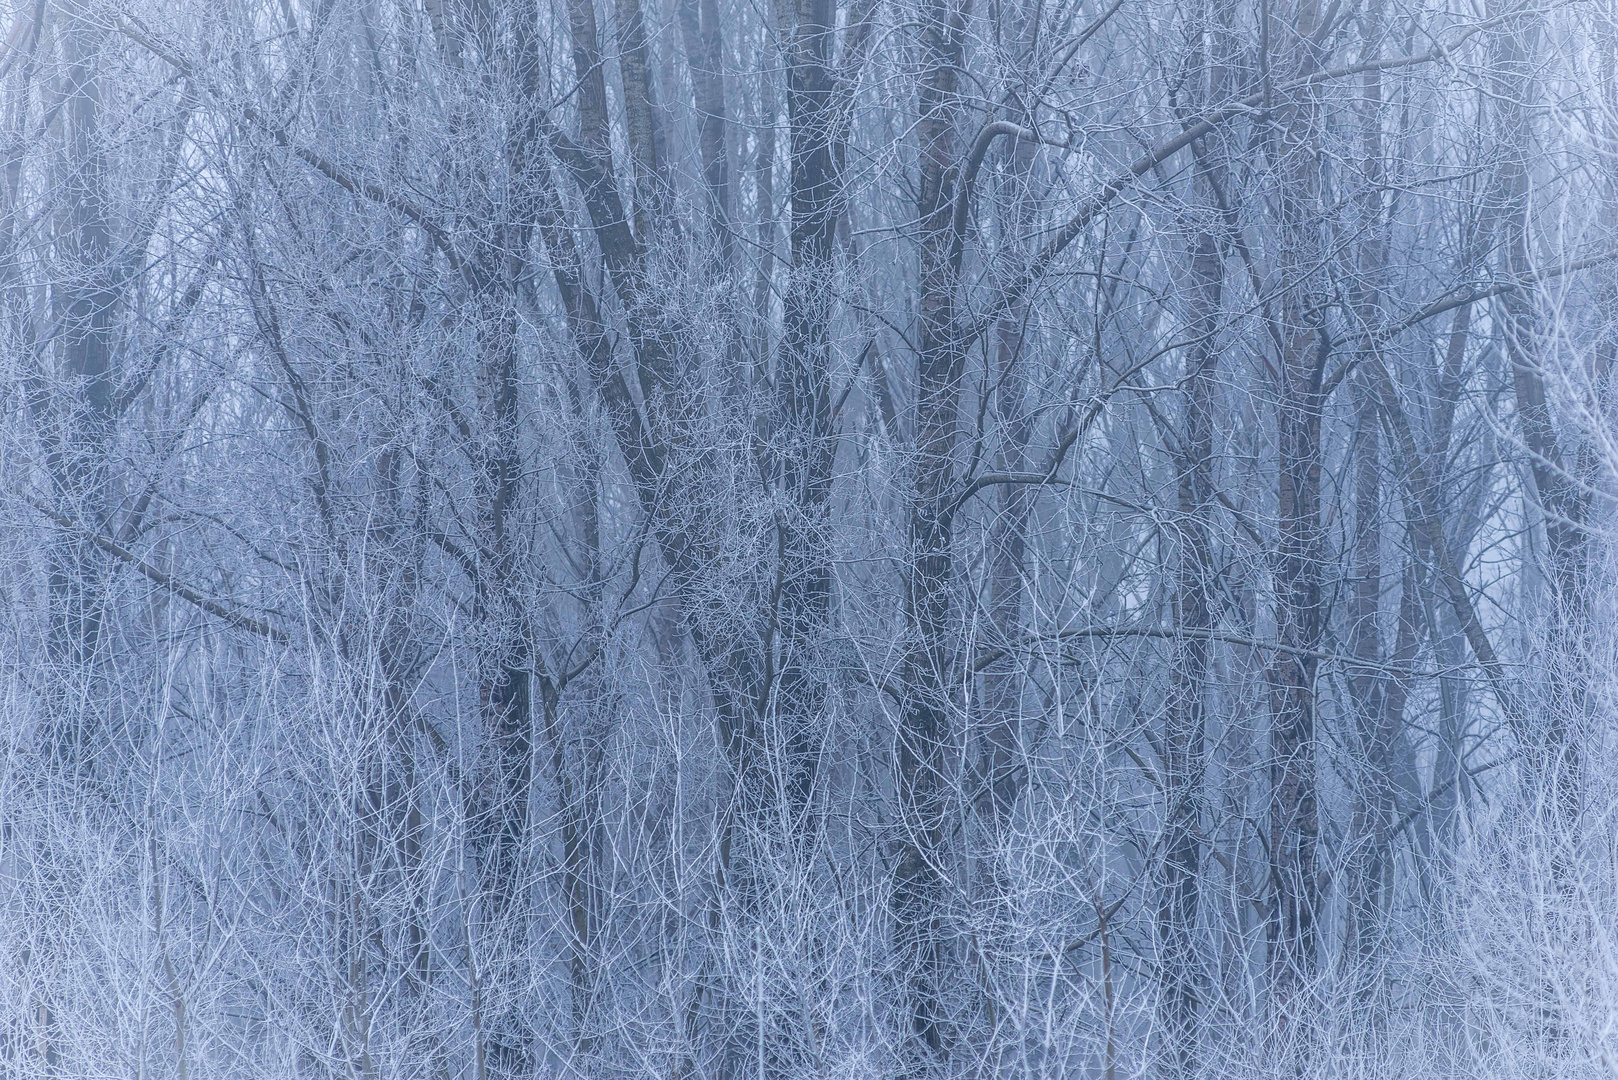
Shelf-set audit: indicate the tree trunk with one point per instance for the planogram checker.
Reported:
(648, 154)
(1558, 491)
(1373, 801)
(932, 705)
(1294, 822)
(803, 437)
(509, 665)
(705, 54)
(79, 437)
(1195, 582)
(1195, 585)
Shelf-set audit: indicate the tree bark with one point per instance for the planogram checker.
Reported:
(803, 439)
(1195, 585)
(1195, 578)
(705, 55)
(1294, 820)
(79, 434)
(1558, 492)
(932, 705)
(648, 153)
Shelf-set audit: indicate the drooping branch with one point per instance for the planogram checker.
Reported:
(193, 596)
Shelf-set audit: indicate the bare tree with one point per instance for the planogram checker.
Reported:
(704, 540)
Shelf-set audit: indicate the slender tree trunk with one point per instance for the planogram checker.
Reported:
(1008, 538)
(510, 667)
(764, 197)
(506, 690)
(705, 54)
(79, 437)
(648, 153)
(1002, 705)
(576, 763)
(1195, 586)
(76, 405)
(397, 547)
(1558, 491)
(803, 437)
(1373, 801)
(932, 705)
(1294, 817)
(1445, 626)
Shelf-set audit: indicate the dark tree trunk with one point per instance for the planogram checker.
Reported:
(1373, 802)
(925, 768)
(1294, 824)
(803, 438)
(1195, 585)
(1195, 578)
(79, 435)
(705, 55)
(1553, 462)
(648, 154)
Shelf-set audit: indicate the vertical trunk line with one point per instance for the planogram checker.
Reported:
(1294, 818)
(1194, 590)
(1194, 586)
(1557, 491)
(931, 704)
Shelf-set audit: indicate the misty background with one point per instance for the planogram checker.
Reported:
(706, 539)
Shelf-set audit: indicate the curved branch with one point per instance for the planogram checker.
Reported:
(974, 165)
(163, 580)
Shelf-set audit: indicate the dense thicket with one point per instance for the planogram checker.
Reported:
(842, 538)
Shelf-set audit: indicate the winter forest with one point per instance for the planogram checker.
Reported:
(719, 539)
